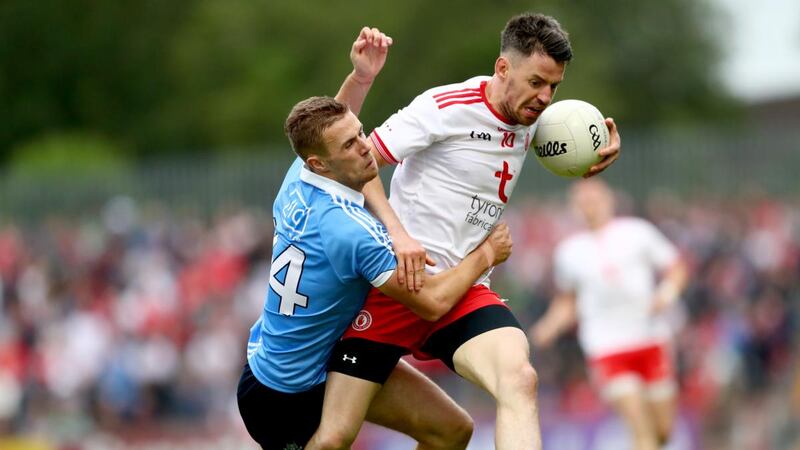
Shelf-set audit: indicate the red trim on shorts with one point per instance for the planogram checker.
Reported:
(489, 105)
(382, 150)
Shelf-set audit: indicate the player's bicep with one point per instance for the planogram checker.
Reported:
(358, 245)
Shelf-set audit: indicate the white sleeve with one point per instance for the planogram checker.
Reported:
(564, 277)
(660, 250)
(409, 130)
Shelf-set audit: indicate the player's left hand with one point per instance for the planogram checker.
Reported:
(368, 54)
(609, 153)
(665, 296)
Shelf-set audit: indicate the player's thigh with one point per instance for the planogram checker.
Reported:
(483, 346)
(347, 400)
(413, 404)
(278, 420)
(357, 369)
(493, 357)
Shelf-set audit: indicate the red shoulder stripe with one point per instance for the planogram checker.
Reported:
(441, 94)
(445, 98)
(468, 101)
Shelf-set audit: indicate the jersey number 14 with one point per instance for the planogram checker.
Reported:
(294, 258)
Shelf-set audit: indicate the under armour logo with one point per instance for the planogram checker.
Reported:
(352, 359)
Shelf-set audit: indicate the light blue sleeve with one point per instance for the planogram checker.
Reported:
(357, 245)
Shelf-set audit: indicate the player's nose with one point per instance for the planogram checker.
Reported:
(363, 145)
(545, 95)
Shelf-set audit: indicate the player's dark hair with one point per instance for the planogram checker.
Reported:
(529, 33)
(308, 120)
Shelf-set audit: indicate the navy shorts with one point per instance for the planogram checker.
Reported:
(278, 420)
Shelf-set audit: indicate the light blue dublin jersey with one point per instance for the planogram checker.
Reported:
(328, 251)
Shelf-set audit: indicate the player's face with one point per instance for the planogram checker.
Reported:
(530, 84)
(349, 159)
(594, 201)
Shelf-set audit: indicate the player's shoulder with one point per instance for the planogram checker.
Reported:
(630, 224)
(573, 242)
(472, 84)
(463, 93)
(342, 218)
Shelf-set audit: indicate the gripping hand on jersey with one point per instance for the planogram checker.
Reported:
(368, 54)
(609, 153)
(411, 260)
(497, 247)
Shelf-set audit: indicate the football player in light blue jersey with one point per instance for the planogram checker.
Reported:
(328, 252)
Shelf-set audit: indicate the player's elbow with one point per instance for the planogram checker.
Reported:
(432, 309)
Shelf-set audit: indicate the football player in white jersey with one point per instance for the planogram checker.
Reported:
(616, 280)
(459, 150)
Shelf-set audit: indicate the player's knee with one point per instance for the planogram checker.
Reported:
(454, 434)
(520, 382)
(663, 435)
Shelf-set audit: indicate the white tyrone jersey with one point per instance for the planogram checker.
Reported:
(612, 272)
(459, 161)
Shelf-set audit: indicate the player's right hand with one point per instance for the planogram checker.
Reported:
(411, 260)
(498, 244)
(368, 54)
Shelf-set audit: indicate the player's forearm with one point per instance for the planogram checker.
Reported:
(377, 203)
(560, 317)
(446, 288)
(673, 282)
(353, 92)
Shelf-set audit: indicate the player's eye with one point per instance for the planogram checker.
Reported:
(536, 83)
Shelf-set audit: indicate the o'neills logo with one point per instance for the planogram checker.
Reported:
(362, 321)
(483, 213)
(551, 148)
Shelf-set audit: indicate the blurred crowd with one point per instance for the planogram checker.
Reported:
(137, 317)
(736, 327)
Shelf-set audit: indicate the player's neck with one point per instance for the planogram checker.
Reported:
(599, 223)
(495, 99)
(346, 183)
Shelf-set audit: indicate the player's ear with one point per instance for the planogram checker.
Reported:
(316, 164)
(501, 66)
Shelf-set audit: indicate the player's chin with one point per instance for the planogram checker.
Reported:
(371, 172)
(528, 116)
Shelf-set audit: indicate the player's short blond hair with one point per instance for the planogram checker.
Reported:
(308, 120)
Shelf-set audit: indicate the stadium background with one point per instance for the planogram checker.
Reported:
(141, 146)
